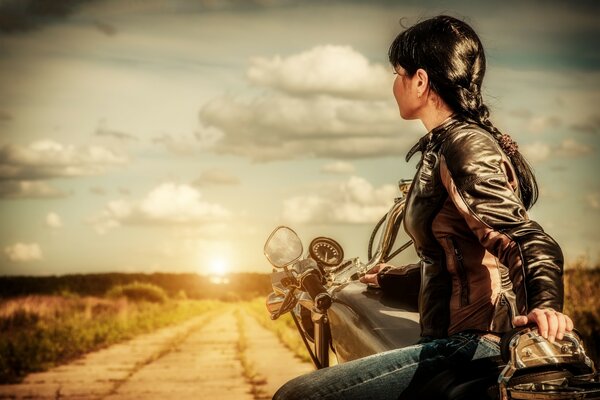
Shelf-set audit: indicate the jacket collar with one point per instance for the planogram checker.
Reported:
(433, 136)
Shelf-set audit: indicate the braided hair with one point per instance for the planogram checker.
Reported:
(451, 53)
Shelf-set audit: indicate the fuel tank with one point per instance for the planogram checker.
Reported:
(365, 321)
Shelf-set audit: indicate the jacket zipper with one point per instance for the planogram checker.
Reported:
(462, 275)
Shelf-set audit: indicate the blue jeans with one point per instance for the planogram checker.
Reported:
(386, 375)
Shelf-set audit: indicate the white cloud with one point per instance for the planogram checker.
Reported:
(167, 204)
(216, 176)
(53, 220)
(48, 159)
(572, 148)
(338, 167)
(333, 70)
(539, 124)
(275, 126)
(536, 151)
(186, 145)
(354, 201)
(568, 148)
(23, 252)
(328, 101)
(28, 189)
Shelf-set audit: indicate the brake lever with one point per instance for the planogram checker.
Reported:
(287, 304)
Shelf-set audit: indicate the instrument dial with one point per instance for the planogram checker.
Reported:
(326, 251)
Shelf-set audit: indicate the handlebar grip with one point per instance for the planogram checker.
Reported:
(312, 283)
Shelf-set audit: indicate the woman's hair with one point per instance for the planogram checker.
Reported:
(451, 53)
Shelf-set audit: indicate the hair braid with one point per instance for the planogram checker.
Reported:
(479, 113)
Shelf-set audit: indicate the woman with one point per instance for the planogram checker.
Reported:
(485, 266)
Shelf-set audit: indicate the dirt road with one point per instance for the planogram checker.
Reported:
(198, 359)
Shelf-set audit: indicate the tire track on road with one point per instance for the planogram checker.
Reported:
(204, 366)
(272, 362)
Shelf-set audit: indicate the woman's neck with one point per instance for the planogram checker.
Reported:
(435, 111)
(436, 118)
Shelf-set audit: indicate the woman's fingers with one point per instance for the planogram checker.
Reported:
(552, 320)
(539, 317)
(570, 325)
(551, 324)
(369, 279)
(562, 325)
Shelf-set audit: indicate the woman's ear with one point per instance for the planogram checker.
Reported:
(421, 82)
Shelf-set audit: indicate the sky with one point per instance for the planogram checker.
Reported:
(173, 136)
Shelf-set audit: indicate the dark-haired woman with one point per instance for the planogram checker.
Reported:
(485, 266)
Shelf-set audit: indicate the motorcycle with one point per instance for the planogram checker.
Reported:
(338, 315)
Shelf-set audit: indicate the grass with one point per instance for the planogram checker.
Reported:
(249, 370)
(39, 332)
(139, 291)
(582, 304)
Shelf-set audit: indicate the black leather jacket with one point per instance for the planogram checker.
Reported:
(483, 260)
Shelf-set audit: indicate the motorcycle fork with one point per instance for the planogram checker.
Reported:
(322, 338)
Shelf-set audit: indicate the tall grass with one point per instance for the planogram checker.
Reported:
(582, 304)
(41, 331)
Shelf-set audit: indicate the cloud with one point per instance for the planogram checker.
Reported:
(539, 124)
(98, 190)
(593, 200)
(186, 145)
(216, 176)
(328, 101)
(15, 189)
(106, 28)
(103, 131)
(275, 126)
(354, 201)
(53, 220)
(572, 148)
(24, 15)
(590, 125)
(49, 159)
(568, 148)
(167, 204)
(334, 70)
(23, 252)
(338, 167)
(536, 151)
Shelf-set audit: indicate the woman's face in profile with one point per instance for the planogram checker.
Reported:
(405, 94)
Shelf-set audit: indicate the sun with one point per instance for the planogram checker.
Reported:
(219, 268)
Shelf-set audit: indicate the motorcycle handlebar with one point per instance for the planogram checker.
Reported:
(311, 281)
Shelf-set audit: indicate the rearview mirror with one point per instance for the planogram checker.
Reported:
(283, 247)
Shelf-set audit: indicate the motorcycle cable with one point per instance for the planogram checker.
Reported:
(310, 352)
(373, 234)
(372, 239)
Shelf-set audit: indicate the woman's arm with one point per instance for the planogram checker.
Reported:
(474, 173)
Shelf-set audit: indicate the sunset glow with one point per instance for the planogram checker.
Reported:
(174, 136)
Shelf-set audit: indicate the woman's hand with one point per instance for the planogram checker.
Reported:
(370, 278)
(551, 324)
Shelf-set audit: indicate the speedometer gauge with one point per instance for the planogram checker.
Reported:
(326, 251)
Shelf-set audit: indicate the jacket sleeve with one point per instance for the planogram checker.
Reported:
(475, 174)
